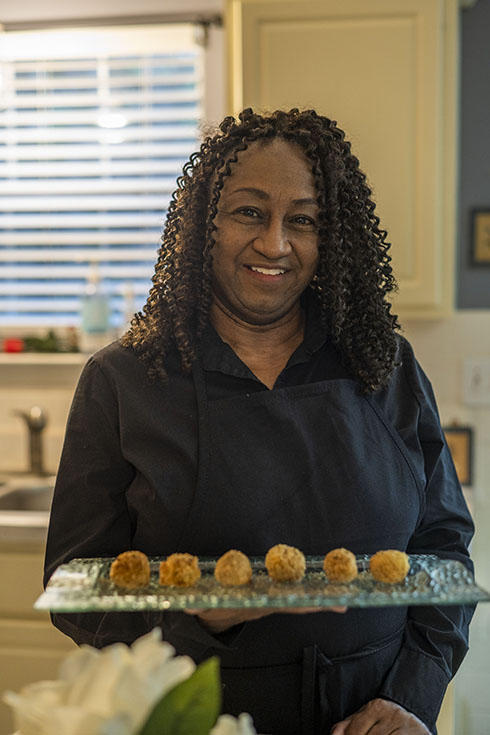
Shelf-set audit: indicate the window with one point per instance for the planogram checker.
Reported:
(95, 125)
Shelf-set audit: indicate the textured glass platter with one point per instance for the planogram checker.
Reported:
(83, 585)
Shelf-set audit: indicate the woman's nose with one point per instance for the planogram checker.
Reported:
(273, 242)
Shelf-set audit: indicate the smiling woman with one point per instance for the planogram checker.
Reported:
(263, 398)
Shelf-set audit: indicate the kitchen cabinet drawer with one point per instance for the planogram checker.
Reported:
(29, 651)
(21, 584)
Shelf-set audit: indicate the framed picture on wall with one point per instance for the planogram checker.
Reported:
(460, 442)
(480, 237)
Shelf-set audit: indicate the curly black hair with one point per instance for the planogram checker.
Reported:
(354, 275)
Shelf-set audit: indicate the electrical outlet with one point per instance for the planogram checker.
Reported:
(477, 382)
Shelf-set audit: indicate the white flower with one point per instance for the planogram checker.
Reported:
(107, 692)
(228, 725)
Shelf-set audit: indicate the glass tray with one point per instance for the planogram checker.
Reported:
(83, 585)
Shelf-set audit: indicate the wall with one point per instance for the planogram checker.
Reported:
(23, 386)
(474, 282)
(32, 11)
(443, 346)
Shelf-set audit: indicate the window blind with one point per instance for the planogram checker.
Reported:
(95, 125)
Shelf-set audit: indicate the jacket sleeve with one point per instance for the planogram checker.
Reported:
(436, 638)
(90, 518)
(89, 514)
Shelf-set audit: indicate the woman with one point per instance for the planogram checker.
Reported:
(264, 396)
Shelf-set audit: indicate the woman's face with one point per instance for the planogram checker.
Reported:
(266, 250)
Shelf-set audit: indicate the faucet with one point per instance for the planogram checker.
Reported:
(35, 420)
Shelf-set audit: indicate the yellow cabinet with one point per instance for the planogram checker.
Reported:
(31, 649)
(386, 71)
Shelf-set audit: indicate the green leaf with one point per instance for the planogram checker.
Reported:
(190, 707)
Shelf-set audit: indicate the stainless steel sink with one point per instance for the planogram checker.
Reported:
(26, 499)
(25, 502)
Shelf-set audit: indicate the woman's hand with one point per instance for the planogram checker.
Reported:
(217, 621)
(381, 717)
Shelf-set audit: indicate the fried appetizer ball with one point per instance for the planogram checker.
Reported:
(180, 570)
(233, 569)
(389, 566)
(130, 569)
(340, 565)
(285, 563)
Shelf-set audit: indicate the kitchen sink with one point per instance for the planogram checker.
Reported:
(25, 502)
(26, 498)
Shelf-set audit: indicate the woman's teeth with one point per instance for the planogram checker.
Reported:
(267, 271)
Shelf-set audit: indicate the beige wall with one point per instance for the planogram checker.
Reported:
(442, 348)
(21, 387)
(33, 10)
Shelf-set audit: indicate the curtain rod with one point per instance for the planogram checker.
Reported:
(196, 18)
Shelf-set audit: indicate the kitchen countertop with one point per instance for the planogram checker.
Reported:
(23, 528)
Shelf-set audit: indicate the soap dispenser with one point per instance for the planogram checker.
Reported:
(95, 313)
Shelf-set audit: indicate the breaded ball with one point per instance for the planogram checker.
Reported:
(285, 563)
(340, 565)
(180, 570)
(233, 569)
(389, 566)
(130, 569)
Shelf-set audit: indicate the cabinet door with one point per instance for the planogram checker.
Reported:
(385, 70)
(30, 651)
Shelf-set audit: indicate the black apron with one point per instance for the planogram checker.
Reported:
(316, 466)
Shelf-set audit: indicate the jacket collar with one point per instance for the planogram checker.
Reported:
(218, 356)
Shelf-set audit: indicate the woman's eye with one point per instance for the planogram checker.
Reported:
(304, 221)
(247, 212)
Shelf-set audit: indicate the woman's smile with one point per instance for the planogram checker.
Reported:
(267, 274)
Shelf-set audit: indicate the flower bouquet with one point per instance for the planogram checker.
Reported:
(139, 690)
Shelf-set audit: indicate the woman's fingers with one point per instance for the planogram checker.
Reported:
(303, 610)
(381, 717)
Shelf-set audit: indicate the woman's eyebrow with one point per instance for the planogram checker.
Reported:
(263, 195)
(251, 190)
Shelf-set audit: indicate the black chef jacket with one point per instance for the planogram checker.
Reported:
(128, 477)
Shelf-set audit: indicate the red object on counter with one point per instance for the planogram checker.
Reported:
(13, 344)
